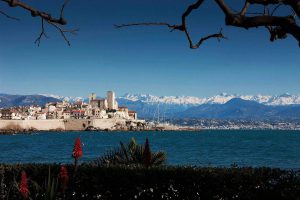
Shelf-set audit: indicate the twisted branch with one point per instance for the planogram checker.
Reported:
(282, 25)
(278, 26)
(181, 27)
(45, 17)
(36, 13)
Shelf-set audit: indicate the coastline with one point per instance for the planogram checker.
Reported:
(102, 125)
(33, 131)
(10, 127)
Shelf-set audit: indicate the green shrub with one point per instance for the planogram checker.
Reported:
(132, 154)
(133, 182)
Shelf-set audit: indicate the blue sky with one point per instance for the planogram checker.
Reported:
(141, 59)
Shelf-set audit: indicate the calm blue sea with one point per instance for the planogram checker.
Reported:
(203, 148)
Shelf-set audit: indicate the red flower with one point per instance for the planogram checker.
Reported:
(147, 154)
(23, 185)
(77, 150)
(63, 177)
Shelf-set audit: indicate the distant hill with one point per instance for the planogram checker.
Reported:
(8, 100)
(241, 109)
(153, 110)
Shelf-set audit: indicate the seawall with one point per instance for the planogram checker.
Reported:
(59, 124)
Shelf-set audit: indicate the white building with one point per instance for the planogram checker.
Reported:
(41, 116)
(51, 108)
(16, 116)
(66, 114)
(34, 109)
(107, 108)
(99, 114)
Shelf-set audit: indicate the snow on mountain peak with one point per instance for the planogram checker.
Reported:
(285, 99)
(63, 98)
(147, 98)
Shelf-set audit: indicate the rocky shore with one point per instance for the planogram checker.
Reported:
(118, 127)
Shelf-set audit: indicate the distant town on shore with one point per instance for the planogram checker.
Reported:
(111, 113)
(103, 108)
(96, 114)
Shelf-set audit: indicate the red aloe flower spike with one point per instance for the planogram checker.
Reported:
(23, 185)
(147, 154)
(63, 177)
(77, 151)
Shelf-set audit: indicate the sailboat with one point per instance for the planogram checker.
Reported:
(159, 121)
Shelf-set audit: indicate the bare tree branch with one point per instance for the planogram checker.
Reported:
(45, 17)
(63, 32)
(182, 26)
(245, 8)
(278, 26)
(148, 24)
(216, 35)
(295, 4)
(8, 16)
(62, 11)
(275, 9)
(38, 40)
(36, 13)
(283, 25)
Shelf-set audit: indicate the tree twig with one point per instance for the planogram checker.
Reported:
(45, 17)
(8, 16)
(38, 40)
(180, 27)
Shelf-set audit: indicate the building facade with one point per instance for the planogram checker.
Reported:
(111, 101)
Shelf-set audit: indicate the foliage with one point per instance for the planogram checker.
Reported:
(51, 187)
(134, 182)
(132, 154)
(147, 154)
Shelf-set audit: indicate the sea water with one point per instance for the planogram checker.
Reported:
(219, 148)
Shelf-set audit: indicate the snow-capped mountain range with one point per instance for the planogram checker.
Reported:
(64, 98)
(277, 100)
(223, 106)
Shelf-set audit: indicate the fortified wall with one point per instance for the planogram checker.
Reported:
(59, 124)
